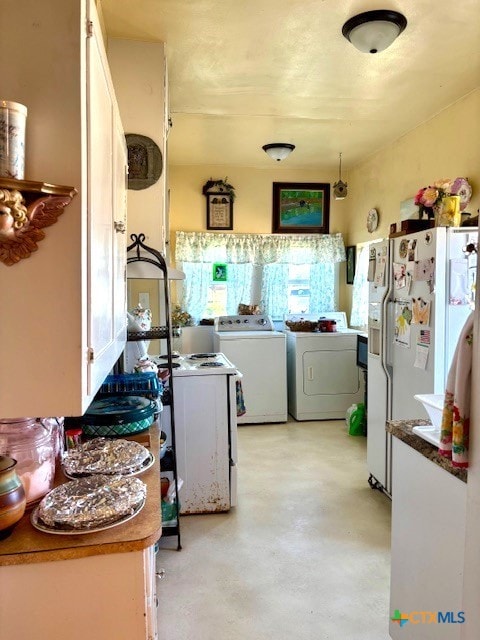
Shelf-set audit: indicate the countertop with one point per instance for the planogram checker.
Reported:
(26, 545)
(402, 429)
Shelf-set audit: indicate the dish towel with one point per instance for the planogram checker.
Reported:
(456, 409)
(240, 402)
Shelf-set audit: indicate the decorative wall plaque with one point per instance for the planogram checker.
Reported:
(220, 196)
(26, 208)
(145, 162)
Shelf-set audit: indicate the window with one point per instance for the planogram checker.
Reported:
(282, 274)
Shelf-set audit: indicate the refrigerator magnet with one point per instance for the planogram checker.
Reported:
(424, 270)
(420, 311)
(412, 250)
(399, 275)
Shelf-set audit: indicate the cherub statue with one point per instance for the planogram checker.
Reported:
(21, 225)
(13, 214)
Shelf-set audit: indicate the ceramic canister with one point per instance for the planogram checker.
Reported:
(12, 496)
(13, 117)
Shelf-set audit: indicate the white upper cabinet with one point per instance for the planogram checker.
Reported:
(63, 308)
(139, 77)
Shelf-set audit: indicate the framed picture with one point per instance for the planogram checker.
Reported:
(219, 211)
(351, 258)
(301, 207)
(219, 272)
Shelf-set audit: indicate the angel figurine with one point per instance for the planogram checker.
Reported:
(21, 224)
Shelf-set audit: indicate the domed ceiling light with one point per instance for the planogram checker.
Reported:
(278, 150)
(374, 31)
(340, 187)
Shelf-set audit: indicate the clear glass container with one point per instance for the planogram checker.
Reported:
(32, 444)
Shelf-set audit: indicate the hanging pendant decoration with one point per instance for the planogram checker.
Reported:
(340, 187)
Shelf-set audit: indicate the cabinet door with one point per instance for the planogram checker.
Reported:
(151, 612)
(120, 169)
(105, 193)
(429, 507)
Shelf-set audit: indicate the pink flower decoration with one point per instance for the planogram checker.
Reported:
(419, 196)
(444, 185)
(429, 197)
(462, 188)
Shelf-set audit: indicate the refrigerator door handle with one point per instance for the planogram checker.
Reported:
(310, 373)
(389, 330)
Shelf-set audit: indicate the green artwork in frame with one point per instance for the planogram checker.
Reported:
(219, 273)
(301, 207)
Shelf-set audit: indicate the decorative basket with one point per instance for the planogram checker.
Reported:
(302, 325)
(138, 384)
(116, 416)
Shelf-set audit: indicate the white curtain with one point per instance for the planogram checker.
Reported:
(359, 315)
(259, 248)
(322, 288)
(274, 290)
(196, 252)
(198, 278)
(239, 286)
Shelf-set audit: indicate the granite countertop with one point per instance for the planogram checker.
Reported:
(27, 545)
(402, 429)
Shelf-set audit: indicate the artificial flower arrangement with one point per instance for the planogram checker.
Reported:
(181, 318)
(428, 199)
(220, 185)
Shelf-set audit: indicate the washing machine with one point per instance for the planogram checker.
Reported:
(323, 377)
(258, 351)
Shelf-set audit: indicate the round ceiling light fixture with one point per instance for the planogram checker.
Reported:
(278, 150)
(374, 31)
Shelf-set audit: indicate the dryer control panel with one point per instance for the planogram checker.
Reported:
(244, 323)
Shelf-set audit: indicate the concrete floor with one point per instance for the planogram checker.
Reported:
(304, 555)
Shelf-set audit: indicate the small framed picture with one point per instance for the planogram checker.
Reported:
(351, 259)
(219, 272)
(219, 211)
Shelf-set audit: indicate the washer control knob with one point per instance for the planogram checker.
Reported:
(246, 321)
(238, 321)
(262, 321)
(230, 322)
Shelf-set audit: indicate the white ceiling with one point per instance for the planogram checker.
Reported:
(247, 72)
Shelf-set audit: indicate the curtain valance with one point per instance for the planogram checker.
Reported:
(259, 249)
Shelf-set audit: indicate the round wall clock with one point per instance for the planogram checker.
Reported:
(372, 220)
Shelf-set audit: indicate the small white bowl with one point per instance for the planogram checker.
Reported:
(433, 405)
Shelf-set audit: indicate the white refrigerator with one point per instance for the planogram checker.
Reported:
(421, 291)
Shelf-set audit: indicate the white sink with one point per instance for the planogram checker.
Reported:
(428, 432)
(433, 405)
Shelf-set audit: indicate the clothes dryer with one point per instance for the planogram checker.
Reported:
(323, 377)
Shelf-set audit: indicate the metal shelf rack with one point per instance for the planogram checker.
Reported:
(138, 251)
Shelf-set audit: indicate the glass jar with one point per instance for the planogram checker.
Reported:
(56, 427)
(31, 444)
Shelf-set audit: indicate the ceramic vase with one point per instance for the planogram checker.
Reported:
(12, 496)
(13, 118)
(447, 214)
